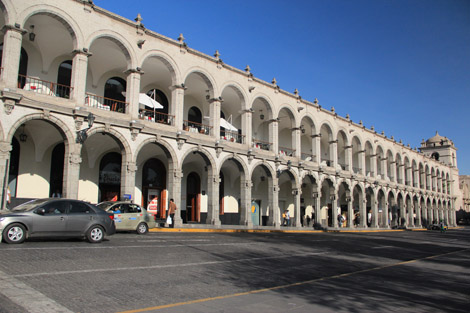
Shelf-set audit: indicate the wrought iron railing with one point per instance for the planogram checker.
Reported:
(105, 103)
(286, 151)
(232, 136)
(44, 87)
(264, 145)
(157, 117)
(194, 127)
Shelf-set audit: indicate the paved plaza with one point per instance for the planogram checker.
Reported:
(181, 271)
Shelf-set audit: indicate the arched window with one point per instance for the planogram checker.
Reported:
(113, 90)
(435, 156)
(64, 78)
(110, 177)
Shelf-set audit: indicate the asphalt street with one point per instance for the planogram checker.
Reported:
(402, 271)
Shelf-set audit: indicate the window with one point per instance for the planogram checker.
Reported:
(56, 207)
(79, 208)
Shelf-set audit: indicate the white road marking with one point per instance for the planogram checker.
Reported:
(28, 298)
(103, 270)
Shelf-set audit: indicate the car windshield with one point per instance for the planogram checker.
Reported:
(105, 205)
(28, 206)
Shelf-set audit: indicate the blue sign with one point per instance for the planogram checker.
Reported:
(127, 197)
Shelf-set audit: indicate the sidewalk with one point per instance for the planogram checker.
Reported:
(204, 228)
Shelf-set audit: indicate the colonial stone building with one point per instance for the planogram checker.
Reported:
(465, 191)
(96, 107)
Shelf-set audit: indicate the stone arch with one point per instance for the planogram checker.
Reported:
(268, 103)
(206, 155)
(61, 16)
(171, 154)
(167, 60)
(206, 77)
(238, 160)
(118, 39)
(238, 89)
(56, 122)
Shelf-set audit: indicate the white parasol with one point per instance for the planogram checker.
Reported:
(227, 125)
(149, 102)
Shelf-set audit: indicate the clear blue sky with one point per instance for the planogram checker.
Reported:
(402, 66)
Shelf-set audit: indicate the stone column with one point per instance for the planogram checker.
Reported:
(375, 214)
(132, 92)
(297, 195)
(393, 169)
(334, 155)
(274, 136)
(245, 203)
(387, 215)
(79, 76)
(296, 133)
(363, 214)
(174, 192)
(214, 122)
(418, 214)
(411, 214)
(317, 142)
(5, 149)
(12, 41)
(274, 215)
(373, 165)
(362, 165)
(128, 170)
(384, 168)
(334, 208)
(213, 182)
(349, 163)
(316, 199)
(350, 211)
(247, 128)
(72, 172)
(177, 105)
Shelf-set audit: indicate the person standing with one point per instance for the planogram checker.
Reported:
(171, 212)
(287, 218)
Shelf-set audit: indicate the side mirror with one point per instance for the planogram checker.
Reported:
(41, 211)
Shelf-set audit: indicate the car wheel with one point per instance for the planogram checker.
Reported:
(142, 229)
(95, 234)
(14, 233)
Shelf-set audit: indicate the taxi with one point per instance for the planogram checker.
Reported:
(129, 216)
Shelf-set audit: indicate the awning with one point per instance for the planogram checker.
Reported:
(227, 125)
(149, 102)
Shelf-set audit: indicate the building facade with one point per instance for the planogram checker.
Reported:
(465, 191)
(96, 107)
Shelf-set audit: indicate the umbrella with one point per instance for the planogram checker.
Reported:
(227, 125)
(149, 102)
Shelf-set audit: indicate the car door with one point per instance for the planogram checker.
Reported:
(134, 215)
(120, 219)
(79, 218)
(54, 219)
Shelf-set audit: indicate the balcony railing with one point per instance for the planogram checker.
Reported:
(327, 161)
(264, 145)
(307, 157)
(105, 103)
(44, 87)
(232, 136)
(157, 117)
(194, 127)
(286, 151)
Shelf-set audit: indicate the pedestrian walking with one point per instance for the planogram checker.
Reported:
(171, 212)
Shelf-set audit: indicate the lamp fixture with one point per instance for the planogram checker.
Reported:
(32, 35)
(23, 136)
(91, 119)
(140, 43)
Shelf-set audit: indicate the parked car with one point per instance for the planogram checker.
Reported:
(436, 227)
(129, 216)
(55, 218)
